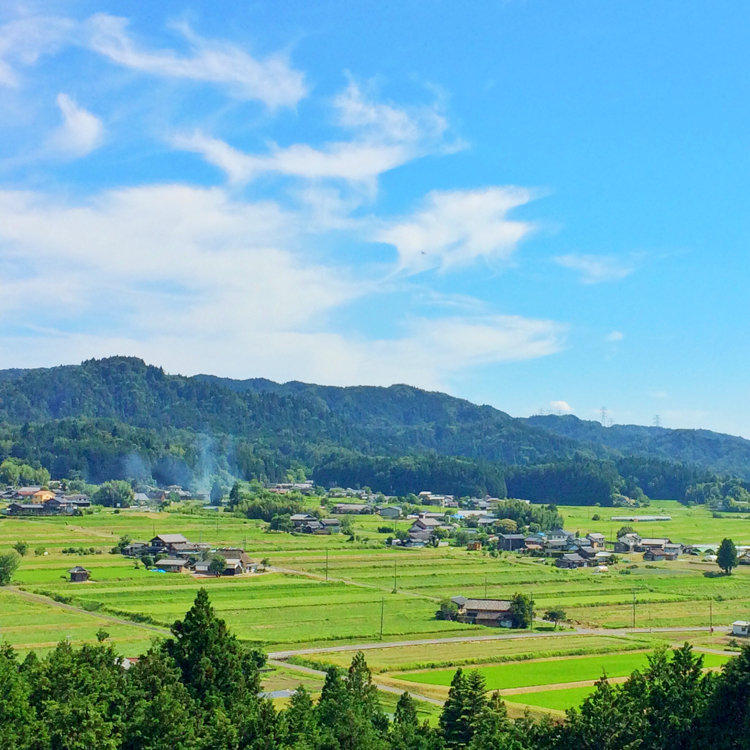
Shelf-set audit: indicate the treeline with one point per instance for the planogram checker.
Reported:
(119, 418)
(535, 517)
(577, 482)
(201, 690)
(410, 474)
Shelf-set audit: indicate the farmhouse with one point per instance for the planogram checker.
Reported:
(79, 574)
(172, 565)
(351, 508)
(299, 520)
(628, 543)
(493, 612)
(389, 511)
(510, 542)
(25, 509)
(597, 541)
(741, 627)
(166, 542)
(570, 560)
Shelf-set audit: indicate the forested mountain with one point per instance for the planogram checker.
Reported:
(722, 454)
(121, 418)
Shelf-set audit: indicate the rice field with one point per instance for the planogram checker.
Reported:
(552, 671)
(330, 590)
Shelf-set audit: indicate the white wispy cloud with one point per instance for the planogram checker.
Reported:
(357, 162)
(80, 132)
(614, 336)
(454, 229)
(271, 80)
(191, 277)
(24, 40)
(383, 137)
(595, 269)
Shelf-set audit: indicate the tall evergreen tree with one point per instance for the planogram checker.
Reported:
(216, 668)
(453, 719)
(160, 713)
(19, 728)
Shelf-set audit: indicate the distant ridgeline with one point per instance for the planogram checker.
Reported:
(119, 418)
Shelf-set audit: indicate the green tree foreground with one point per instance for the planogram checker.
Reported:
(201, 690)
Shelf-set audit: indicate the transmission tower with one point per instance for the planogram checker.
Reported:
(657, 421)
(604, 416)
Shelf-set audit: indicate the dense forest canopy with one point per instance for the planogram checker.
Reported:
(119, 418)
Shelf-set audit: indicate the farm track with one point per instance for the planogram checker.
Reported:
(380, 685)
(281, 655)
(40, 599)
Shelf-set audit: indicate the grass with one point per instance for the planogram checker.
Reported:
(283, 611)
(405, 658)
(556, 700)
(553, 671)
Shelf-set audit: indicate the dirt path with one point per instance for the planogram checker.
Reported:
(40, 599)
(381, 686)
(479, 638)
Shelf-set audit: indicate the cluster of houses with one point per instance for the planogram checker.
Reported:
(174, 553)
(37, 501)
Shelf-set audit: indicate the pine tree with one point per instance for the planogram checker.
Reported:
(453, 722)
(19, 728)
(299, 722)
(216, 668)
(160, 714)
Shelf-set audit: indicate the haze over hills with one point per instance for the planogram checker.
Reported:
(119, 417)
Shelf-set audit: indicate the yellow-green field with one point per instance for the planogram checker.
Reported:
(293, 606)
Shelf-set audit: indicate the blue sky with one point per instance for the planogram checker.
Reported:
(533, 204)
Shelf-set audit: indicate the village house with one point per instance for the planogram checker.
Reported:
(172, 565)
(628, 543)
(301, 519)
(741, 628)
(25, 509)
(390, 512)
(570, 560)
(79, 574)
(596, 540)
(492, 612)
(166, 542)
(510, 542)
(474, 545)
(351, 509)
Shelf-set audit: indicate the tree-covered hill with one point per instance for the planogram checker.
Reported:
(121, 418)
(718, 453)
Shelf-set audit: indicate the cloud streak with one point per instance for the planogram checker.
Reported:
(596, 269)
(271, 80)
(383, 137)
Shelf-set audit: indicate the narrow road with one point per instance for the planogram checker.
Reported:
(376, 682)
(40, 599)
(480, 638)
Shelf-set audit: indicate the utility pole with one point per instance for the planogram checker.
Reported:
(382, 612)
(485, 587)
(711, 615)
(531, 624)
(395, 586)
(634, 608)
(326, 564)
